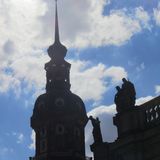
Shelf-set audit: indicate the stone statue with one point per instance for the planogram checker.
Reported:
(125, 96)
(118, 99)
(97, 135)
(129, 92)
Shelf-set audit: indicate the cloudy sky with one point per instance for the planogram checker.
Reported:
(106, 40)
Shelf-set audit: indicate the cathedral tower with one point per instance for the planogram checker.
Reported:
(59, 116)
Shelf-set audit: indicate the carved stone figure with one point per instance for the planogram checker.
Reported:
(129, 93)
(118, 99)
(125, 96)
(97, 135)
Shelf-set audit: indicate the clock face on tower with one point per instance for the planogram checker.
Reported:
(59, 102)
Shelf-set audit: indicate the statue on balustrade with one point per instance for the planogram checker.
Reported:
(125, 97)
(158, 111)
(97, 135)
(119, 99)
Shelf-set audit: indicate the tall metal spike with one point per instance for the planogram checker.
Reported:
(56, 25)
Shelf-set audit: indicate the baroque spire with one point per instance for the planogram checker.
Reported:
(57, 69)
(57, 40)
(57, 51)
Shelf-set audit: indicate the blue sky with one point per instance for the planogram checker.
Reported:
(106, 40)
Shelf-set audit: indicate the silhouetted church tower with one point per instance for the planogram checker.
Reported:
(59, 116)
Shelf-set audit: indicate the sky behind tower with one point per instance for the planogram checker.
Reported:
(106, 40)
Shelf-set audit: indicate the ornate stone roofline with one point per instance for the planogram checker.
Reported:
(138, 118)
(151, 112)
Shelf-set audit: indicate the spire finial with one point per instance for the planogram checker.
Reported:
(57, 50)
(56, 25)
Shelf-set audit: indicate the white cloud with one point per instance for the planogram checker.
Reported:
(29, 70)
(141, 67)
(91, 27)
(20, 26)
(24, 37)
(116, 73)
(90, 82)
(157, 89)
(8, 82)
(114, 29)
(156, 12)
(32, 145)
(142, 100)
(20, 138)
(23, 25)
(143, 17)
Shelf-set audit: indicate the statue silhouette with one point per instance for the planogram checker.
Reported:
(129, 93)
(97, 135)
(119, 99)
(125, 96)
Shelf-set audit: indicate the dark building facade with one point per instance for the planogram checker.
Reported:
(138, 135)
(59, 116)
